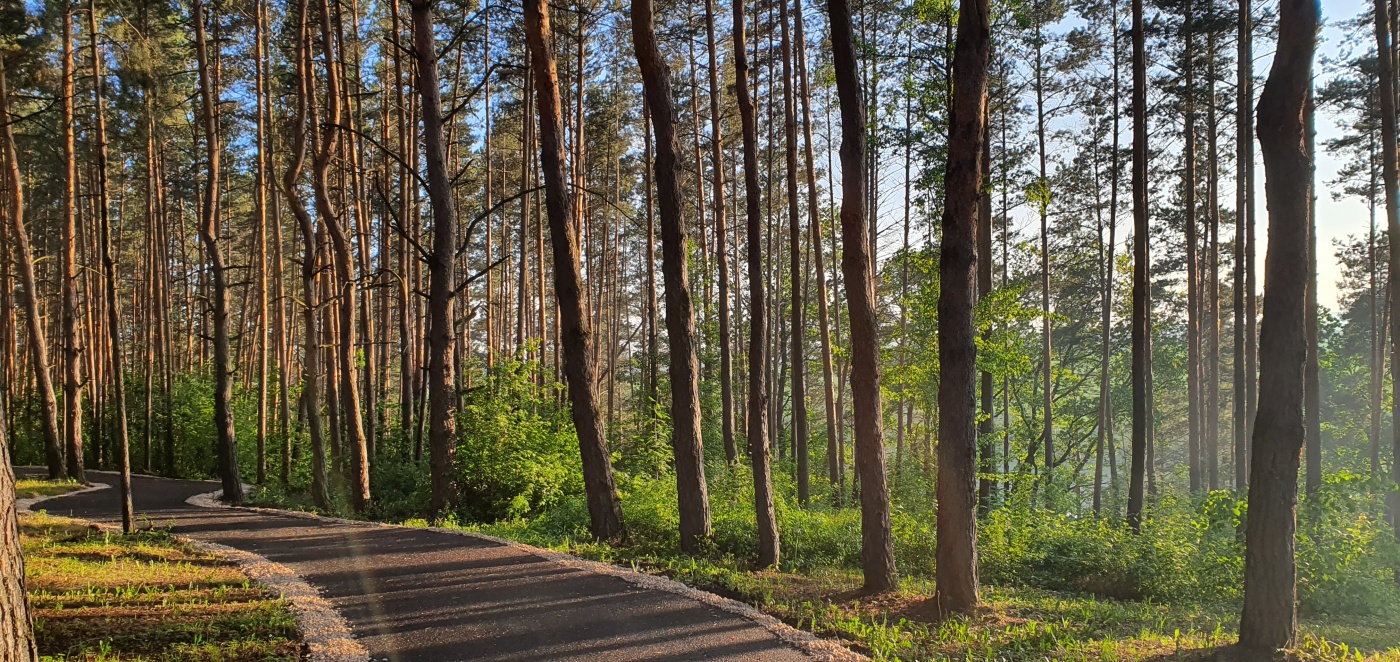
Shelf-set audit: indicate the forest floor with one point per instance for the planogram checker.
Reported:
(31, 488)
(1015, 623)
(97, 596)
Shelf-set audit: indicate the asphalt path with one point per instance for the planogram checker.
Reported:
(420, 595)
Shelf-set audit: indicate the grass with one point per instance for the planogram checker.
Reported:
(29, 488)
(1015, 623)
(99, 596)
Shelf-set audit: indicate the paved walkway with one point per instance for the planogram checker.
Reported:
(419, 595)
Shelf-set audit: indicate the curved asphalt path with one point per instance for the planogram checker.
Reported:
(418, 595)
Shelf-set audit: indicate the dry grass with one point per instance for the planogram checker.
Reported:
(29, 488)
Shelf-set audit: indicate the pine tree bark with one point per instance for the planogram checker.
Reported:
(857, 265)
(1142, 281)
(1244, 202)
(311, 338)
(680, 312)
(604, 504)
(1270, 620)
(814, 226)
(956, 551)
(1385, 72)
(442, 424)
(109, 269)
(38, 350)
(796, 271)
(72, 345)
(348, 392)
(16, 631)
(209, 236)
(721, 230)
(1312, 387)
(769, 545)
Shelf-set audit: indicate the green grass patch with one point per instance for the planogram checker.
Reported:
(98, 596)
(29, 488)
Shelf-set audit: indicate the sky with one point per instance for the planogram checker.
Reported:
(1336, 220)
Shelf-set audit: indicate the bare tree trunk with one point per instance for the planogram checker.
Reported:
(109, 268)
(311, 338)
(1385, 72)
(680, 313)
(347, 393)
(1193, 262)
(1142, 281)
(857, 264)
(38, 354)
(442, 424)
(726, 346)
(796, 271)
(818, 261)
(260, 219)
(769, 545)
(72, 347)
(1244, 172)
(209, 236)
(1270, 618)
(16, 632)
(1312, 391)
(957, 349)
(604, 504)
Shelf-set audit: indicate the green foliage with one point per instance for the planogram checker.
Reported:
(517, 452)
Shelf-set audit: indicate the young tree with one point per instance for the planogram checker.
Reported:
(604, 504)
(956, 553)
(38, 354)
(209, 235)
(857, 265)
(1270, 620)
(799, 326)
(680, 312)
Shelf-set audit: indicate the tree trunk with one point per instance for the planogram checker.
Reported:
(72, 348)
(16, 632)
(1193, 262)
(818, 260)
(680, 313)
(1142, 281)
(260, 219)
(442, 424)
(1244, 202)
(311, 338)
(604, 505)
(38, 355)
(348, 391)
(796, 272)
(209, 236)
(757, 423)
(957, 348)
(1270, 621)
(857, 265)
(726, 346)
(1312, 395)
(1385, 71)
(109, 269)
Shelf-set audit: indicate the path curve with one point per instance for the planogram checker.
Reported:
(416, 595)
